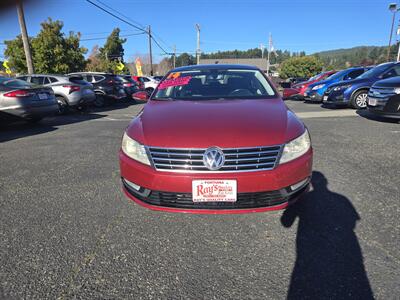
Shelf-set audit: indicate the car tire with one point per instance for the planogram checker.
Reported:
(62, 105)
(359, 99)
(99, 101)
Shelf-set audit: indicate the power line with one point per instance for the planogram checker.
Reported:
(118, 12)
(159, 46)
(103, 38)
(161, 40)
(115, 16)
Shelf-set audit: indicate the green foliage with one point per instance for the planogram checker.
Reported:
(364, 55)
(106, 59)
(113, 49)
(52, 51)
(185, 59)
(276, 57)
(301, 66)
(15, 54)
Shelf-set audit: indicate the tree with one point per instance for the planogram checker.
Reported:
(15, 54)
(304, 66)
(185, 59)
(106, 58)
(94, 63)
(164, 66)
(113, 48)
(52, 51)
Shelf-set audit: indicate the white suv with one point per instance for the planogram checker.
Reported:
(150, 84)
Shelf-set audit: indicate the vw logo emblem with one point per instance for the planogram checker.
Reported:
(213, 158)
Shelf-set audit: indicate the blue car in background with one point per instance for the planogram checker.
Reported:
(315, 92)
(354, 92)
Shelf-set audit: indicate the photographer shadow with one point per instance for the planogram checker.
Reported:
(329, 263)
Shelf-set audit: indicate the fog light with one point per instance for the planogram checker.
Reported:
(132, 185)
(298, 185)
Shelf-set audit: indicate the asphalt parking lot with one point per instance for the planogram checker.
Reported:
(67, 231)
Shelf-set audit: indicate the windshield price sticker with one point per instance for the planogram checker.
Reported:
(174, 82)
(214, 190)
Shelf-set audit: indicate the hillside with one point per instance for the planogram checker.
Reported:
(363, 55)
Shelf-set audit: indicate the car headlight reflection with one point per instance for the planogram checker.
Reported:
(341, 87)
(134, 150)
(296, 148)
(317, 87)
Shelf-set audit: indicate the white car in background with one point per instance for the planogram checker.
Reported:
(150, 83)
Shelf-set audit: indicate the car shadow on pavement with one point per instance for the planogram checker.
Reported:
(367, 115)
(329, 263)
(113, 106)
(11, 130)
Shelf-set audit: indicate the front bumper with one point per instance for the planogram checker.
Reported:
(334, 97)
(313, 96)
(257, 191)
(387, 107)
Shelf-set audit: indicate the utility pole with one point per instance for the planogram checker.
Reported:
(198, 52)
(150, 52)
(269, 52)
(24, 34)
(393, 9)
(262, 48)
(174, 56)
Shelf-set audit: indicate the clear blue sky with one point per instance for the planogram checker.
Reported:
(296, 25)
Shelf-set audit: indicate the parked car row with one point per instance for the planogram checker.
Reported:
(375, 87)
(37, 95)
(298, 90)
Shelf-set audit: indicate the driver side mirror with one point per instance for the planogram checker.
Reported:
(141, 96)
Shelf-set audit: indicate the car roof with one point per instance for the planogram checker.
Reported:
(214, 66)
(52, 75)
(92, 73)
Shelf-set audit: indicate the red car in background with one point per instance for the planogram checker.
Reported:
(215, 139)
(139, 82)
(297, 90)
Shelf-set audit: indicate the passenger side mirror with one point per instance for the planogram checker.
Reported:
(141, 96)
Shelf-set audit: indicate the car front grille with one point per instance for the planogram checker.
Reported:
(381, 93)
(244, 200)
(236, 159)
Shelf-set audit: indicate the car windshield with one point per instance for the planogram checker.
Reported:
(375, 72)
(209, 84)
(337, 75)
(14, 83)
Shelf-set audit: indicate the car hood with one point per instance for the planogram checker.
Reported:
(393, 82)
(321, 82)
(353, 82)
(223, 123)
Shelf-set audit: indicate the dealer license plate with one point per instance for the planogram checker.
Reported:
(214, 190)
(372, 101)
(42, 96)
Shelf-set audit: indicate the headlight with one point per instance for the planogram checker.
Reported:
(296, 148)
(134, 150)
(317, 87)
(397, 90)
(341, 87)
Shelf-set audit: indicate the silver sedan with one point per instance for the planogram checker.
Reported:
(20, 99)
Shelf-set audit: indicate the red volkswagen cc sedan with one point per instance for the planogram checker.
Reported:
(215, 139)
